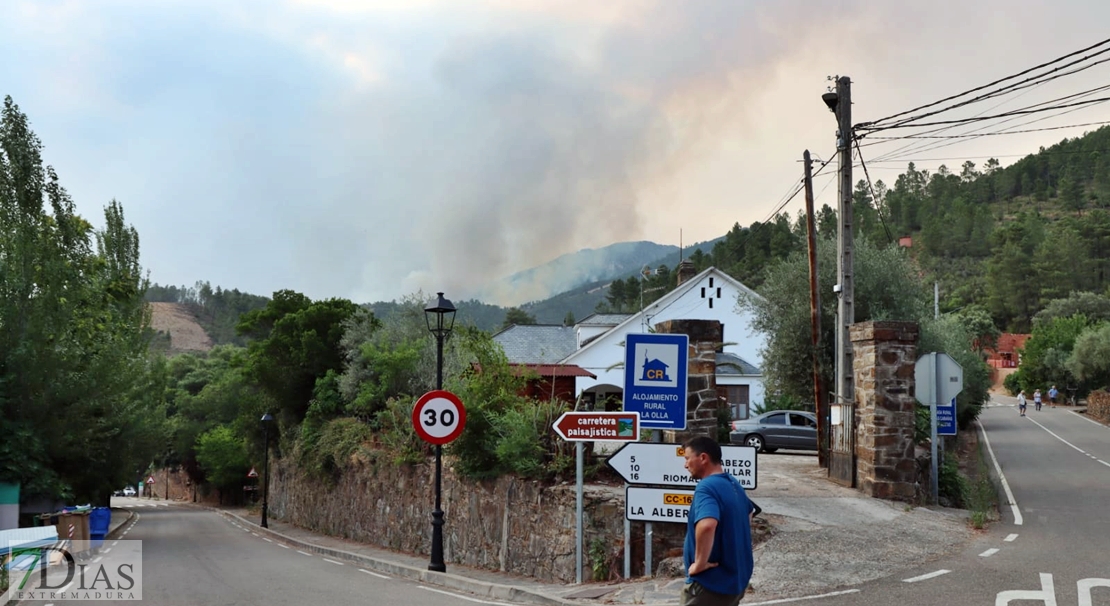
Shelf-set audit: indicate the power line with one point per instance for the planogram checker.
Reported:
(874, 198)
(1016, 112)
(797, 189)
(988, 85)
(1002, 132)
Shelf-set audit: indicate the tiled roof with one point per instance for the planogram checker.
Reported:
(604, 319)
(733, 365)
(558, 370)
(536, 343)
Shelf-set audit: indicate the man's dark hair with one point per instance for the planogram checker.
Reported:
(705, 445)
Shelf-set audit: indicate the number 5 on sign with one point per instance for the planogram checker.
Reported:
(438, 416)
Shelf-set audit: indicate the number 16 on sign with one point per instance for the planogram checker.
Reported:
(438, 417)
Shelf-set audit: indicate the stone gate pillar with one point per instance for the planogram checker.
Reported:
(884, 354)
(706, 337)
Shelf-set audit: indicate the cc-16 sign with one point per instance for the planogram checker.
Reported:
(643, 504)
(650, 463)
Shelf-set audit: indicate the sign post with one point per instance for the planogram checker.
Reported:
(581, 427)
(938, 378)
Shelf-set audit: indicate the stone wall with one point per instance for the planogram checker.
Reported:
(884, 354)
(512, 525)
(1098, 405)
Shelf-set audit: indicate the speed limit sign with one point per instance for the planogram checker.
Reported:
(438, 416)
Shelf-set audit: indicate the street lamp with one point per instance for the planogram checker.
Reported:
(266, 420)
(441, 319)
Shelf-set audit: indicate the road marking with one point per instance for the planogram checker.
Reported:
(255, 533)
(1010, 538)
(267, 540)
(808, 597)
(114, 543)
(1005, 485)
(461, 597)
(1089, 420)
(924, 577)
(380, 576)
(246, 530)
(333, 562)
(988, 553)
(1078, 449)
(283, 546)
(108, 550)
(303, 553)
(97, 560)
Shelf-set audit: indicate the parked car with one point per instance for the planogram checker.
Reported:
(128, 492)
(770, 431)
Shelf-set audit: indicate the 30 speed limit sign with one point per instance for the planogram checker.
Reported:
(438, 416)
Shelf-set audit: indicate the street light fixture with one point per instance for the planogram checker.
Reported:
(441, 320)
(267, 419)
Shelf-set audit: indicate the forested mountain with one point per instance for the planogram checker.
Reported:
(217, 310)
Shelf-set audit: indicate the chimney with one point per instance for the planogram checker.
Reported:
(685, 271)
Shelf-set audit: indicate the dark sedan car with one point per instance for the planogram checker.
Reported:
(770, 431)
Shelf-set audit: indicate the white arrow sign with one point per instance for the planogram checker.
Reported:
(649, 463)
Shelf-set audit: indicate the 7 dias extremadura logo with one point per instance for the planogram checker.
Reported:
(73, 571)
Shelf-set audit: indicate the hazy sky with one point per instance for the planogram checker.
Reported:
(366, 149)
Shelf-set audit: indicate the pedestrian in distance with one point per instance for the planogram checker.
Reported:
(1021, 402)
(718, 548)
(1053, 393)
(1036, 399)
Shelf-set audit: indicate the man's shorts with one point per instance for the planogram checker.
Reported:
(693, 594)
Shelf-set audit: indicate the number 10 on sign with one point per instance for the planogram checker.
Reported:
(438, 416)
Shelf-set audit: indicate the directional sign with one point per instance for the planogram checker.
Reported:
(940, 369)
(590, 426)
(252, 473)
(438, 416)
(657, 504)
(946, 418)
(655, 379)
(649, 463)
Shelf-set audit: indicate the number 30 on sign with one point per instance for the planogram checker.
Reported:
(438, 416)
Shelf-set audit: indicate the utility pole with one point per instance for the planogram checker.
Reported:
(820, 407)
(845, 317)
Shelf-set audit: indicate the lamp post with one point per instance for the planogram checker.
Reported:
(266, 420)
(441, 319)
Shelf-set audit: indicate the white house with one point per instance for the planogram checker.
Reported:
(710, 295)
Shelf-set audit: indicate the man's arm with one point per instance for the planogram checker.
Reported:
(703, 545)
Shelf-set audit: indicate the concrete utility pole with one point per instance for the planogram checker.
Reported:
(845, 390)
(820, 406)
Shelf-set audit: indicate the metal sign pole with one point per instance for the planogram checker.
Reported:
(656, 437)
(934, 480)
(579, 449)
(627, 540)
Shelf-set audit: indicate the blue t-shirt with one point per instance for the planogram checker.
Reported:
(721, 497)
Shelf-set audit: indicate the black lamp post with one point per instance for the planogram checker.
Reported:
(441, 319)
(266, 420)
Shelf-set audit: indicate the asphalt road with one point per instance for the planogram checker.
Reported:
(195, 557)
(1053, 548)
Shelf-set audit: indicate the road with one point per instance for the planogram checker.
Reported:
(194, 557)
(1050, 549)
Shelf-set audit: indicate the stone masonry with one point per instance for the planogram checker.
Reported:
(884, 354)
(702, 400)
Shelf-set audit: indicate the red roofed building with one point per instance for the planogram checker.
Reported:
(1007, 353)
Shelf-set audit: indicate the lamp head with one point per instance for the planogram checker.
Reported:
(266, 418)
(831, 100)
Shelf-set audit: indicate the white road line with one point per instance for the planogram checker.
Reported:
(267, 540)
(461, 597)
(988, 553)
(1001, 476)
(374, 574)
(283, 546)
(114, 543)
(66, 588)
(97, 560)
(1010, 538)
(333, 562)
(810, 597)
(255, 533)
(108, 550)
(303, 553)
(1078, 449)
(1089, 419)
(246, 530)
(925, 577)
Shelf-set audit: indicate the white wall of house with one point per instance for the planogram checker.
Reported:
(588, 331)
(691, 301)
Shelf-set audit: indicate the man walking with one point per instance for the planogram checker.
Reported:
(1052, 394)
(718, 548)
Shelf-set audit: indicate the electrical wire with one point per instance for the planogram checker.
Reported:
(985, 86)
(874, 198)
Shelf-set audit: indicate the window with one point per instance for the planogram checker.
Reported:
(736, 396)
(802, 421)
(775, 419)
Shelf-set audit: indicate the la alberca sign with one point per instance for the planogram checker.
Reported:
(74, 571)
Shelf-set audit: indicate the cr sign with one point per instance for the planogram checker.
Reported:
(438, 417)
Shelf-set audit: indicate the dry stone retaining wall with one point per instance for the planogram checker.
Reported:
(508, 524)
(1098, 405)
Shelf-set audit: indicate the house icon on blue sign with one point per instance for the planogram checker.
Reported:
(654, 370)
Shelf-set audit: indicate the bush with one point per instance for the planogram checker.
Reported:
(1012, 383)
(396, 433)
(950, 484)
(338, 440)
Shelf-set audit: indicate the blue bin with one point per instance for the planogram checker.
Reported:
(100, 518)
